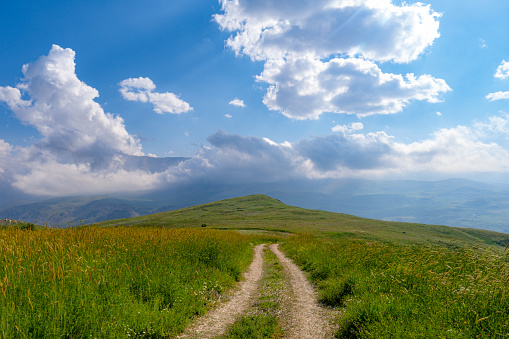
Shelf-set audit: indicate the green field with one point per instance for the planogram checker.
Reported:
(149, 277)
(113, 282)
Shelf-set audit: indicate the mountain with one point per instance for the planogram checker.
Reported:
(74, 211)
(454, 202)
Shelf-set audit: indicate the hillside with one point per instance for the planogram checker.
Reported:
(260, 212)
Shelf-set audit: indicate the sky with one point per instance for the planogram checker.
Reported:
(250, 91)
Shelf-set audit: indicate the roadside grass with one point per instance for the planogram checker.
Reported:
(401, 291)
(114, 282)
(263, 319)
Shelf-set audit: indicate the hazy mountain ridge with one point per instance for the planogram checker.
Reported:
(74, 211)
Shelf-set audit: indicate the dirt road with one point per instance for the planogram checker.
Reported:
(302, 319)
(216, 321)
(305, 318)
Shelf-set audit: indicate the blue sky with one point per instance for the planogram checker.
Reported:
(322, 86)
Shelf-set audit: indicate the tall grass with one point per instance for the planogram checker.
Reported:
(396, 291)
(113, 282)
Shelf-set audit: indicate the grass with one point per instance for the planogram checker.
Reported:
(263, 319)
(400, 291)
(113, 282)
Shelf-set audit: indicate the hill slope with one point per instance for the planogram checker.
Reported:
(75, 211)
(260, 212)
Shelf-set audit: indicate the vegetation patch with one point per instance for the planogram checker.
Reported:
(17, 225)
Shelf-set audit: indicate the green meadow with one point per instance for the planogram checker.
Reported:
(150, 276)
(113, 282)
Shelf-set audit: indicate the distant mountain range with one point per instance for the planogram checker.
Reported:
(454, 202)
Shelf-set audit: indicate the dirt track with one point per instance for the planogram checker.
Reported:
(306, 319)
(302, 319)
(216, 321)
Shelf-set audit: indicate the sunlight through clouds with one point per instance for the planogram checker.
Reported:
(300, 41)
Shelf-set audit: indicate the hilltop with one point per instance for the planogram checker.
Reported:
(452, 202)
(263, 213)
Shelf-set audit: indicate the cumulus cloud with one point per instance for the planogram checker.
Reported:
(497, 96)
(502, 70)
(237, 159)
(456, 150)
(340, 151)
(349, 153)
(301, 41)
(63, 110)
(237, 103)
(53, 178)
(142, 89)
(375, 29)
(304, 88)
(82, 148)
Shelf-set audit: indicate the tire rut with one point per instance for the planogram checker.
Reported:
(215, 323)
(305, 318)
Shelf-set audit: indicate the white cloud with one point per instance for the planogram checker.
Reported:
(168, 103)
(354, 126)
(143, 86)
(12, 97)
(228, 116)
(502, 70)
(63, 110)
(375, 29)
(5, 148)
(5, 153)
(53, 178)
(82, 149)
(452, 151)
(305, 88)
(142, 89)
(237, 102)
(348, 153)
(497, 96)
(301, 41)
(239, 159)
(439, 114)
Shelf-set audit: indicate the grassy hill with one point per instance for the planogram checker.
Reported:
(262, 213)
